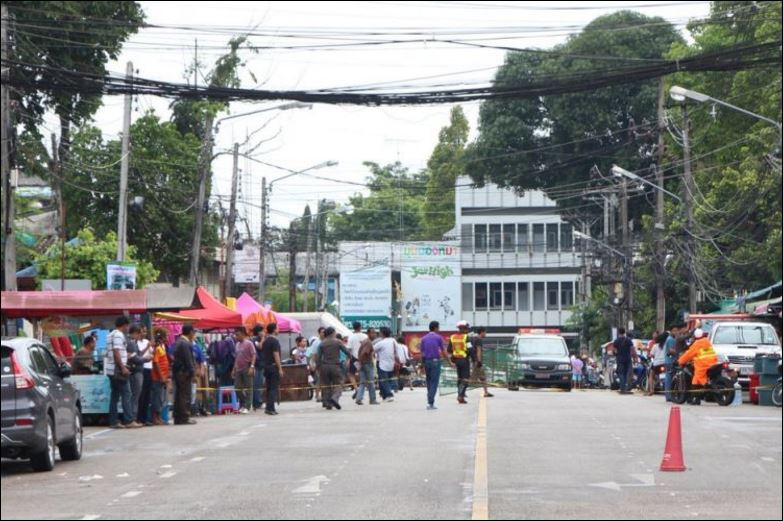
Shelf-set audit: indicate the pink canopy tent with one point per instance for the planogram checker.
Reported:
(254, 312)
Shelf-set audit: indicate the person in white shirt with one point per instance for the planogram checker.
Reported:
(355, 340)
(386, 352)
(145, 351)
(403, 376)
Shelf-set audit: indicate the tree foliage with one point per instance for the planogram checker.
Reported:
(87, 259)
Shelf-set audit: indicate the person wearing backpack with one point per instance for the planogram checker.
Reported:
(365, 361)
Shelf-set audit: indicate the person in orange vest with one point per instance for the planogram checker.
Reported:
(703, 356)
(459, 346)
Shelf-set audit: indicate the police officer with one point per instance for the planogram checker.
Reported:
(459, 347)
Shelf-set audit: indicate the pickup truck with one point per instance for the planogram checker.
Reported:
(739, 343)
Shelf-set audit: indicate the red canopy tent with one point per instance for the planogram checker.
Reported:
(38, 304)
(214, 315)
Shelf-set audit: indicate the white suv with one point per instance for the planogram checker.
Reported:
(740, 342)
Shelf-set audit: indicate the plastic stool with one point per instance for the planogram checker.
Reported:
(233, 405)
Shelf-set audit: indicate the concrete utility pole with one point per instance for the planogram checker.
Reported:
(293, 241)
(262, 246)
(228, 288)
(204, 165)
(57, 172)
(688, 206)
(8, 187)
(659, 227)
(122, 214)
(628, 265)
(307, 263)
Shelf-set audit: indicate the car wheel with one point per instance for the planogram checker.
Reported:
(567, 388)
(44, 461)
(72, 450)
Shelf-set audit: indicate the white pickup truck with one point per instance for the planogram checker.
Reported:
(739, 342)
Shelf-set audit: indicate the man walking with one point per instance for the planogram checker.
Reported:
(477, 357)
(366, 364)
(623, 347)
(115, 367)
(459, 344)
(328, 362)
(273, 367)
(433, 348)
(184, 371)
(244, 370)
(136, 367)
(670, 349)
(386, 351)
(258, 377)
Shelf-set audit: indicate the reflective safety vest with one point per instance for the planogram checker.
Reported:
(459, 345)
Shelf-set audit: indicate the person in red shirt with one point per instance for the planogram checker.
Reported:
(161, 376)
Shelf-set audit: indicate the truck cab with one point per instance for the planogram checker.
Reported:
(540, 359)
(739, 342)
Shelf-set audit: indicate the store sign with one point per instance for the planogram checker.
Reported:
(365, 296)
(121, 275)
(431, 285)
(245, 268)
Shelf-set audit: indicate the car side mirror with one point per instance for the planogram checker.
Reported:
(65, 370)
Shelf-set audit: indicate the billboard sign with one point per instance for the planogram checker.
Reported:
(431, 285)
(365, 296)
(121, 275)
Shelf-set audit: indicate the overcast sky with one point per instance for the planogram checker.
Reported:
(348, 134)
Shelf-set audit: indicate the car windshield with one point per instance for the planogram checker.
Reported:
(541, 347)
(745, 334)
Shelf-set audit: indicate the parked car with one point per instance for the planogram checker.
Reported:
(740, 342)
(540, 360)
(41, 410)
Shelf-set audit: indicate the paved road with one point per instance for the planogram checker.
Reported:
(547, 455)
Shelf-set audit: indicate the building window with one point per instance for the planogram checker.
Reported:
(480, 232)
(566, 237)
(539, 296)
(467, 296)
(466, 237)
(494, 238)
(539, 240)
(523, 296)
(509, 293)
(508, 238)
(551, 238)
(495, 296)
(523, 241)
(567, 294)
(552, 301)
(481, 296)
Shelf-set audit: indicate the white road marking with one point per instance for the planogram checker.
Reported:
(197, 459)
(647, 480)
(91, 517)
(96, 434)
(131, 493)
(767, 458)
(169, 474)
(123, 475)
(165, 466)
(244, 433)
(85, 479)
(312, 485)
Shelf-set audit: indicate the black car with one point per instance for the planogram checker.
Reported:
(540, 360)
(41, 410)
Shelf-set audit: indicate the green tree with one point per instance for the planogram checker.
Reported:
(162, 171)
(444, 166)
(87, 259)
(391, 212)
(552, 142)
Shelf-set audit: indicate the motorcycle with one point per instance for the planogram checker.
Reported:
(719, 388)
(594, 379)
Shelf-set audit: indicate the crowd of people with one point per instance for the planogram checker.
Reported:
(143, 372)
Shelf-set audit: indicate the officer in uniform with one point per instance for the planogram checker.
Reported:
(459, 346)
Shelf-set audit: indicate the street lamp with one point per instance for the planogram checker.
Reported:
(622, 172)
(680, 94)
(284, 106)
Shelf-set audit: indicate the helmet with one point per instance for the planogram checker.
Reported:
(698, 333)
(463, 323)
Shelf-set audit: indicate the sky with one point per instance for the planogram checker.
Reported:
(301, 138)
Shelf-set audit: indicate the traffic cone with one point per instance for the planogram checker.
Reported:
(672, 454)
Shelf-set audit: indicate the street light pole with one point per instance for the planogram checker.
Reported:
(122, 221)
(688, 204)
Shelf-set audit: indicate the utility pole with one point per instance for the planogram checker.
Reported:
(204, 167)
(57, 173)
(8, 188)
(293, 241)
(628, 265)
(228, 288)
(307, 262)
(262, 246)
(318, 258)
(687, 200)
(660, 255)
(122, 214)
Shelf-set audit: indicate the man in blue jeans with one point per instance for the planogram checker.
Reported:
(115, 367)
(670, 350)
(433, 348)
(623, 347)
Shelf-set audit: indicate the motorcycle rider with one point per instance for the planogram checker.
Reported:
(703, 356)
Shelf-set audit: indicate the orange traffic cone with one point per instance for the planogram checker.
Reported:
(672, 454)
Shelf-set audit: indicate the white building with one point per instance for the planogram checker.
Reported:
(519, 264)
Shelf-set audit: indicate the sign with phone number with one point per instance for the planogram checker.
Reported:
(366, 322)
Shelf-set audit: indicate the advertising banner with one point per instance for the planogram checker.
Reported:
(121, 276)
(431, 285)
(365, 296)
